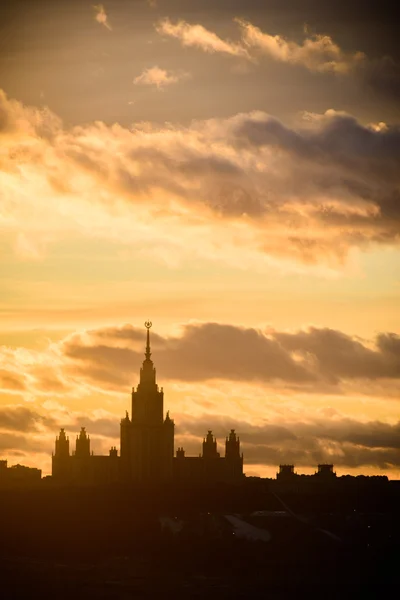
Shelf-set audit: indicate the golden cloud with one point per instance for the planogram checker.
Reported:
(299, 197)
(200, 37)
(158, 77)
(317, 53)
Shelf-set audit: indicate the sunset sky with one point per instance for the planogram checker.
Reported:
(229, 170)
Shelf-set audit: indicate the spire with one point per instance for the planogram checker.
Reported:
(148, 325)
(148, 372)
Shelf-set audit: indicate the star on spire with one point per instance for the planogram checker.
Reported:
(148, 325)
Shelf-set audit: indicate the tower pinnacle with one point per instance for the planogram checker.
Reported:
(148, 372)
(148, 325)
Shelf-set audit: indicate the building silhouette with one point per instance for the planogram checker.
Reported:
(146, 446)
(286, 472)
(325, 472)
(18, 475)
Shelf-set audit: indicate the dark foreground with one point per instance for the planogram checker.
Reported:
(248, 542)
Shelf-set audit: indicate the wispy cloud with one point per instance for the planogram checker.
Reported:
(101, 16)
(317, 52)
(200, 37)
(159, 77)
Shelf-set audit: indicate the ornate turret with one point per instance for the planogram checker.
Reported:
(62, 445)
(232, 445)
(61, 458)
(210, 446)
(82, 444)
(180, 453)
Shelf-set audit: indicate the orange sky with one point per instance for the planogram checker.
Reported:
(230, 174)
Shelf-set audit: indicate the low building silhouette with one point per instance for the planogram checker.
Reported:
(325, 472)
(82, 466)
(146, 447)
(18, 475)
(210, 466)
(285, 473)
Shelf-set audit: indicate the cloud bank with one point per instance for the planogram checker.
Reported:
(343, 442)
(215, 368)
(314, 357)
(317, 53)
(305, 195)
(303, 442)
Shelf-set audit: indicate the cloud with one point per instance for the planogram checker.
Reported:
(199, 37)
(100, 362)
(14, 444)
(158, 77)
(108, 427)
(21, 418)
(101, 16)
(382, 76)
(342, 441)
(313, 358)
(11, 381)
(317, 53)
(339, 356)
(283, 391)
(298, 197)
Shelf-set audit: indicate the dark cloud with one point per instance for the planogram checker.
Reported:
(379, 73)
(105, 427)
(344, 173)
(340, 356)
(209, 351)
(16, 444)
(371, 434)
(345, 442)
(48, 381)
(21, 418)
(382, 76)
(11, 381)
(222, 424)
(309, 192)
(314, 358)
(311, 453)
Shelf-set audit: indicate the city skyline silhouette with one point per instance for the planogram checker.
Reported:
(147, 453)
(230, 172)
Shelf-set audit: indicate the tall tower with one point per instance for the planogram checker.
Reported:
(60, 459)
(147, 439)
(81, 471)
(147, 399)
(233, 458)
(210, 446)
(82, 448)
(211, 458)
